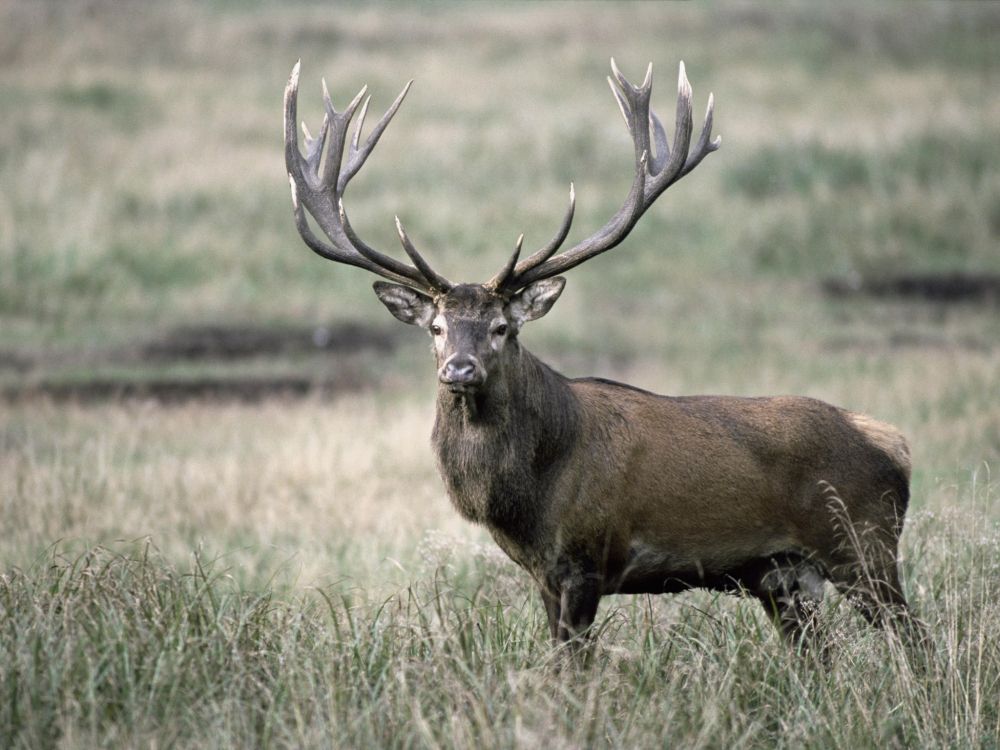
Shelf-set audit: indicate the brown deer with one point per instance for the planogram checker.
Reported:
(595, 487)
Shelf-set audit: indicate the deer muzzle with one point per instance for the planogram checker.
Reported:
(462, 373)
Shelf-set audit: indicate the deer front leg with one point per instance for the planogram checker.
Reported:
(551, 601)
(577, 610)
(571, 604)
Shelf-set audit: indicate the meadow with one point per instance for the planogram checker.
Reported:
(284, 570)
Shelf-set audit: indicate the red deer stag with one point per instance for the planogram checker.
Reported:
(595, 487)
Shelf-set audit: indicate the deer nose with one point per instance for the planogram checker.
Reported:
(461, 371)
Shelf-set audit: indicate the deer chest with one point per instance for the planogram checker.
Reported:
(492, 485)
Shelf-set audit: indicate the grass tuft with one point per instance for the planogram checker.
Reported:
(121, 646)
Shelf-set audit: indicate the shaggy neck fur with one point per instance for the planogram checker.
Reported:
(499, 450)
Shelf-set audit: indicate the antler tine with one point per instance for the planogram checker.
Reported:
(498, 281)
(706, 144)
(664, 167)
(335, 254)
(682, 137)
(314, 146)
(293, 157)
(437, 282)
(540, 256)
(376, 257)
(361, 123)
(318, 186)
(359, 155)
(339, 124)
(634, 104)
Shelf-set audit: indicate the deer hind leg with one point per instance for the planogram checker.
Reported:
(873, 587)
(868, 574)
(861, 559)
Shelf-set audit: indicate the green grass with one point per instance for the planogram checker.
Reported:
(289, 573)
(143, 179)
(124, 648)
(837, 207)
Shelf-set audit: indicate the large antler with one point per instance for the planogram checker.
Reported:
(318, 186)
(655, 171)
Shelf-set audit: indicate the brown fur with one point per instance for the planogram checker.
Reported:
(885, 437)
(596, 487)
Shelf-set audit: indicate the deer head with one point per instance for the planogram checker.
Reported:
(474, 326)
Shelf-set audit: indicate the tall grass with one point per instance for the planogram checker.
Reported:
(121, 647)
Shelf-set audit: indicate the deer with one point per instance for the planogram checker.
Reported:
(595, 487)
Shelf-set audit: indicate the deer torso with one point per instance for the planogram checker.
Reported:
(645, 487)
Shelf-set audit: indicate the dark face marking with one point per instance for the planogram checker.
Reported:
(470, 325)
(470, 331)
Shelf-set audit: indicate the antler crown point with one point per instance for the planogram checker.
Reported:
(614, 69)
(293, 82)
(683, 85)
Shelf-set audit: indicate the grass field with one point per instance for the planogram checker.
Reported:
(287, 571)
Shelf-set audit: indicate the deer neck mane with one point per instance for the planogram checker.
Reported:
(499, 450)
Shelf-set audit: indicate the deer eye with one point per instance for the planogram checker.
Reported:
(500, 330)
(436, 330)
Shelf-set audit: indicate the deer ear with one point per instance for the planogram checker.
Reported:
(408, 305)
(535, 300)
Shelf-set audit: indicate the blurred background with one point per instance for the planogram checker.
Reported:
(168, 342)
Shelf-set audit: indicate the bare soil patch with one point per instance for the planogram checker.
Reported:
(167, 390)
(235, 342)
(336, 346)
(935, 288)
